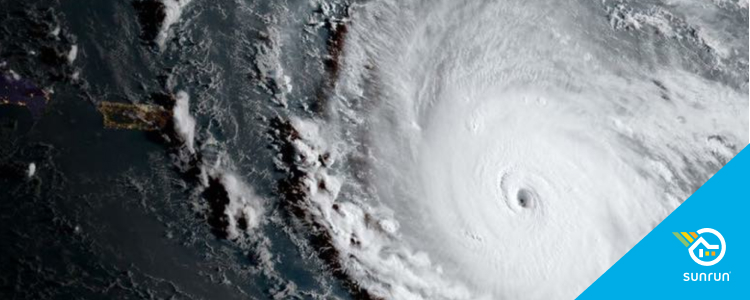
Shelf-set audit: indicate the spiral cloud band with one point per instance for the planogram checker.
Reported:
(516, 149)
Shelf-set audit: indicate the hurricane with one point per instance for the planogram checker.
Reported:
(355, 149)
(512, 149)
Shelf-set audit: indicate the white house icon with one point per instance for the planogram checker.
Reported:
(708, 246)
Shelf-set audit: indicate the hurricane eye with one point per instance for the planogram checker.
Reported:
(525, 198)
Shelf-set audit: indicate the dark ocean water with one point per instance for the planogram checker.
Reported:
(133, 214)
(111, 214)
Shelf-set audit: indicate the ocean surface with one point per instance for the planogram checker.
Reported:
(353, 149)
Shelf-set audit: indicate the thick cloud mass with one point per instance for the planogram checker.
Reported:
(518, 149)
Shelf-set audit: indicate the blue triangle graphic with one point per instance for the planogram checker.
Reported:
(656, 267)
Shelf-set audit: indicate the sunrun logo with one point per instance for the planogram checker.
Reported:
(710, 250)
(707, 253)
